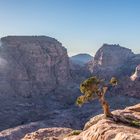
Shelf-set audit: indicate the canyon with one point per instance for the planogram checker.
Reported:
(39, 85)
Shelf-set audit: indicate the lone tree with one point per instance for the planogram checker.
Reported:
(93, 88)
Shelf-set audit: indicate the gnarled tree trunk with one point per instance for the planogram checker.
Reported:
(105, 107)
(104, 103)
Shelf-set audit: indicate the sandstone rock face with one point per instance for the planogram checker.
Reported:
(136, 75)
(112, 55)
(99, 128)
(32, 65)
(109, 58)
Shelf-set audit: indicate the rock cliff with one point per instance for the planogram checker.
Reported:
(31, 65)
(32, 70)
(109, 60)
(136, 75)
(118, 55)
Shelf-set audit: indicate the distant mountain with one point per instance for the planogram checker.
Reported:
(81, 59)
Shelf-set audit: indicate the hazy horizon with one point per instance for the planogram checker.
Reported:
(81, 26)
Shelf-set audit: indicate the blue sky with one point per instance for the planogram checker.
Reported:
(81, 25)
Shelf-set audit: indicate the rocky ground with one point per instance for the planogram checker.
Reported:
(57, 133)
(99, 128)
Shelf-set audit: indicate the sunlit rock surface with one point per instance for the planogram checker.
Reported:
(48, 134)
(99, 128)
(32, 70)
(136, 75)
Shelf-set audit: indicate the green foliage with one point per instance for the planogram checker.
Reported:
(86, 85)
(89, 89)
(92, 88)
(132, 121)
(75, 132)
(136, 123)
(113, 81)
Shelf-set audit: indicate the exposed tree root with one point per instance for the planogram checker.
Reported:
(125, 120)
